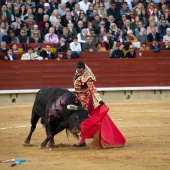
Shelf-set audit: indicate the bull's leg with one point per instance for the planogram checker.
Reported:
(34, 120)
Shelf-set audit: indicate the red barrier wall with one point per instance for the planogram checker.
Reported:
(109, 73)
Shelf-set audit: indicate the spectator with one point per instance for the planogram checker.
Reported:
(49, 55)
(88, 45)
(102, 11)
(29, 4)
(130, 37)
(41, 4)
(15, 48)
(54, 16)
(3, 47)
(152, 24)
(69, 55)
(62, 46)
(96, 22)
(45, 30)
(82, 36)
(127, 26)
(120, 37)
(75, 13)
(112, 33)
(131, 53)
(31, 22)
(10, 56)
(61, 9)
(162, 29)
(99, 47)
(95, 12)
(155, 46)
(89, 12)
(167, 36)
(81, 15)
(5, 13)
(150, 9)
(51, 37)
(113, 11)
(35, 28)
(47, 9)
(105, 39)
(25, 17)
(35, 38)
(107, 4)
(94, 37)
(154, 35)
(162, 17)
(42, 23)
(70, 4)
(101, 26)
(39, 15)
(96, 4)
(84, 5)
(166, 46)
(22, 37)
(125, 9)
(79, 27)
(139, 9)
(58, 27)
(71, 29)
(68, 20)
(137, 30)
(66, 35)
(143, 46)
(118, 53)
(75, 47)
(26, 29)
(39, 51)
(30, 55)
(85, 21)
(53, 4)
(121, 22)
(13, 37)
(3, 31)
(89, 27)
(144, 18)
(142, 36)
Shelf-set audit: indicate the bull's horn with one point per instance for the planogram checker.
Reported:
(72, 107)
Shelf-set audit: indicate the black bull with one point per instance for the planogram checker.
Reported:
(58, 109)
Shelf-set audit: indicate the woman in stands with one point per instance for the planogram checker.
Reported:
(35, 38)
(139, 9)
(102, 11)
(156, 15)
(3, 31)
(97, 4)
(54, 16)
(89, 12)
(15, 48)
(144, 18)
(45, 29)
(152, 24)
(150, 9)
(13, 37)
(85, 21)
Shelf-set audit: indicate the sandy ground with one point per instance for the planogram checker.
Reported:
(146, 127)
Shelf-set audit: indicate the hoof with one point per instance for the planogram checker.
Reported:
(51, 149)
(41, 147)
(81, 145)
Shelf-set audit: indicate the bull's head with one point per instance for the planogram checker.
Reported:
(79, 114)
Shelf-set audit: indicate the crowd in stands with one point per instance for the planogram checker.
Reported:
(84, 25)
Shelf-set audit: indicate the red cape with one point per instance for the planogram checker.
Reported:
(102, 129)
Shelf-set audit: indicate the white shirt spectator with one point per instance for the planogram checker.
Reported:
(84, 5)
(75, 47)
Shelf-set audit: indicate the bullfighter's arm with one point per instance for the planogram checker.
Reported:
(93, 90)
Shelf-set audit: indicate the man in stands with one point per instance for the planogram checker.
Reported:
(10, 56)
(51, 37)
(89, 46)
(75, 47)
(3, 47)
(118, 53)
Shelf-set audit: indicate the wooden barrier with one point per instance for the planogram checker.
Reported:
(109, 73)
(150, 53)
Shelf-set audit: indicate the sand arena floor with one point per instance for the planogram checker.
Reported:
(146, 127)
